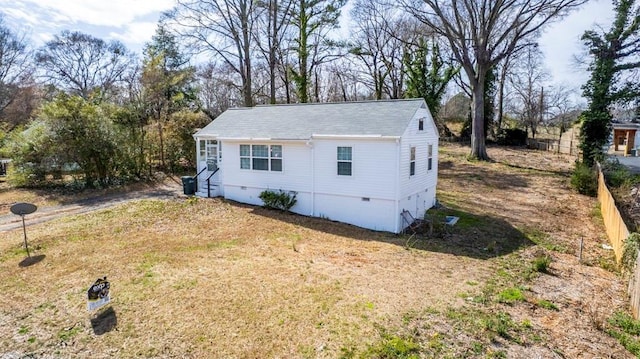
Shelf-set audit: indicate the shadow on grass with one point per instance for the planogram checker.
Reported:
(105, 322)
(479, 177)
(29, 261)
(475, 236)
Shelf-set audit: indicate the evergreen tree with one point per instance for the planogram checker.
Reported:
(167, 82)
(613, 54)
(427, 76)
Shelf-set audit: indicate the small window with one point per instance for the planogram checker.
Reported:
(421, 124)
(245, 157)
(430, 158)
(202, 149)
(344, 161)
(412, 162)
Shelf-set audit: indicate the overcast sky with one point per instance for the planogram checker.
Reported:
(134, 21)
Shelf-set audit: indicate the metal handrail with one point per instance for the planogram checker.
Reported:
(209, 182)
(199, 173)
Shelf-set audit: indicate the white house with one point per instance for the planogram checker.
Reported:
(355, 162)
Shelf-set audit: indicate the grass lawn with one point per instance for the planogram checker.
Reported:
(211, 278)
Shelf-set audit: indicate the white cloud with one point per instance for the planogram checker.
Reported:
(112, 13)
(138, 32)
(31, 19)
(131, 21)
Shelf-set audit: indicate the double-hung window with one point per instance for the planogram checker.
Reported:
(412, 162)
(261, 157)
(344, 161)
(245, 157)
(430, 158)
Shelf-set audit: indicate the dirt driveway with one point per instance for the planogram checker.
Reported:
(52, 206)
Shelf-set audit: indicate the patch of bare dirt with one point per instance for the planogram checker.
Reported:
(52, 205)
(530, 190)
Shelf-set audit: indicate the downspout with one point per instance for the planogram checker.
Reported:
(313, 179)
(397, 186)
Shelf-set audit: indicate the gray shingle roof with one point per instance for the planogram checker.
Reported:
(301, 121)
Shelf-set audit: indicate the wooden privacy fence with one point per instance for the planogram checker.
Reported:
(616, 228)
(617, 232)
(634, 289)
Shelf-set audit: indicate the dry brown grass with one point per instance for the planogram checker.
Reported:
(209, 278)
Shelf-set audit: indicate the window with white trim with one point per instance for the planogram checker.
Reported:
(245, 157)
(212, 155)
(430, 158)
(344, 161)
(421, 124)
(202, 150)
(412, 162)
(261, 157)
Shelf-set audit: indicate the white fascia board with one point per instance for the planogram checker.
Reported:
(354, 137)
(259, 139)
(205, 136)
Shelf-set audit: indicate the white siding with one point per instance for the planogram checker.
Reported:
(372, 171)
(374, 214)
(250, 195)
(417, 193)
(296, 168)
(245, 186)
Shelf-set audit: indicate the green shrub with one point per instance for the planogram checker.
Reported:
(510, 295)
(630, 252)
(393, 347)
(542, 303)
(500, 324)
(584, 180)
(616, 174)
(626, 330)
(512, 137)
(279, 200)
(541, 264)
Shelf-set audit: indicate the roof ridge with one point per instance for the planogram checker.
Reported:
(327, 103)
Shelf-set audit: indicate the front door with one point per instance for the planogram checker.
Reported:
(209, 161)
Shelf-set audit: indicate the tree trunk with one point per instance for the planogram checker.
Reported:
(478, 146)
(246, 38)
(503, 79)
(161, 137)
(273, 47)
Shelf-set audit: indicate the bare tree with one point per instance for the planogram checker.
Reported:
(17, 90)
(342, 83)
(372, 37)
(483, 33)
(562, 111)
(527, 82)
(273, 24)
(82, 64)
(217, 89)
(222, 28)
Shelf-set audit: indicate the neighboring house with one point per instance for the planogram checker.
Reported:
(626, 138)
(355, 162)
